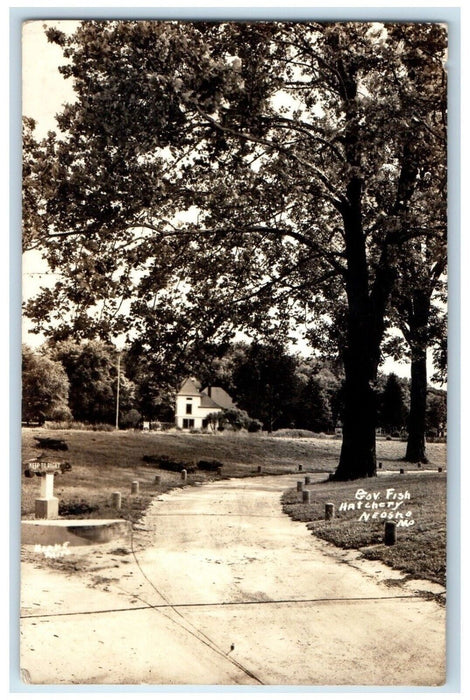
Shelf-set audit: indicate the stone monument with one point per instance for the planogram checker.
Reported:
(47, 505)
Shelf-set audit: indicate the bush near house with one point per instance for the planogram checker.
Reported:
(234, 419)
(254, 425)
(131, 419)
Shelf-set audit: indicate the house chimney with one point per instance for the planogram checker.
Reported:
(209, 391)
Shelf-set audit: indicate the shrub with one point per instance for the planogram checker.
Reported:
(213, 420)
(254, 426)
(169, 463)
(234, 417)
(76, 508)
(46, 443)
(78, 425)
(293, 433)
(60, 413)
(65, 425)
(131, 419)
(210, 465)
(153, 459)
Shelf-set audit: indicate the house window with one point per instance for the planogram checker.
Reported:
(188, 422)
(189, 409)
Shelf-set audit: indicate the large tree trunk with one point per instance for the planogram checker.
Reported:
(358, 458)
(416, 447)
(366, 309)
(417, 337)
(361, 353)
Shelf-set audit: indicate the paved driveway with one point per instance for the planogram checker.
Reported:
(229, 591)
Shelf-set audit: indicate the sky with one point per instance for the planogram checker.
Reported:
(45, 91)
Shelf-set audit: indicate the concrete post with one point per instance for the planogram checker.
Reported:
(184, 475)
(329, 511)
(47, 486)
(158, 480)
(46, 506)
(116, 500)
(439, 469)
(402, 471)
(390, 535)
(307, 479)
(306, 496)
(299, 486)
(380, 465)
(259, 470)
(135, 487)
(300, 467)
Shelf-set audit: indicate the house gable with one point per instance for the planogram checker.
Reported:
(193, 405)
(190, 387)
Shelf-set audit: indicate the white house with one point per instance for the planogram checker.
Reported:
(193, 405)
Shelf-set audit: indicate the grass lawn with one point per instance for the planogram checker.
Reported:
(103, 462)
(420, 549)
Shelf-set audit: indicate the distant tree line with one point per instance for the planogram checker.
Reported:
(273, 389)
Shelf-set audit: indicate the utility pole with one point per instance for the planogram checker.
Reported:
(117, 391)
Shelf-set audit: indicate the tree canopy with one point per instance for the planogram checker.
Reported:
(45, 388)
(221, 176)
(91, 368)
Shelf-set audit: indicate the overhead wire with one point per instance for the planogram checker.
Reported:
(224, 604)
(197, 633)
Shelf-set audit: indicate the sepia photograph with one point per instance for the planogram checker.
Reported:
(234, 353)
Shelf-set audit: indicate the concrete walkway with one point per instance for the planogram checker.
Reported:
(229, 591)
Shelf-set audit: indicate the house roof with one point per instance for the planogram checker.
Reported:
(190, 387)
(219, 396)
(211, 396)
(208, 402)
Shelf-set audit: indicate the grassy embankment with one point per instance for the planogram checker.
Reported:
(420, 550)
(103, 462)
